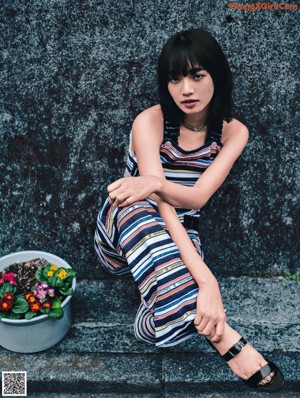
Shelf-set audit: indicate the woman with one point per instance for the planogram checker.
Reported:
(181, 151)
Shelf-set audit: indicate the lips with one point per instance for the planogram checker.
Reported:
(190, 103)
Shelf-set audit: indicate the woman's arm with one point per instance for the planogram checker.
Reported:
(210, 315)
(147, 134)
(235, 137)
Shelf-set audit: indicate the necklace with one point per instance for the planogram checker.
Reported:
(197, 129)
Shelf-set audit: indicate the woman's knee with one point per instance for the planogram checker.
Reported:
(134, 212)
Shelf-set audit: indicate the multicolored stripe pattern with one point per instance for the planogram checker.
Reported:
(180, 166)
(135, 241)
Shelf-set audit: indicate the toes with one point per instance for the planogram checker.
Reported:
(267, 379)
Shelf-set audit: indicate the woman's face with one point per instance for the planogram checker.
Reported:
(192, 93)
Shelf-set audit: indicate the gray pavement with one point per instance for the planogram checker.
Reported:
(100, 357)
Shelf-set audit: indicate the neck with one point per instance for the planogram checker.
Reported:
(197, 120)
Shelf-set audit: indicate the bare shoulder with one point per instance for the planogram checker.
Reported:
(151, 119)
(147, 129)
(235, 130)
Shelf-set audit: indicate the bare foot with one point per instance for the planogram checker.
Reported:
(247, 362)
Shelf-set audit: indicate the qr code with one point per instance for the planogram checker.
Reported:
(14, 384)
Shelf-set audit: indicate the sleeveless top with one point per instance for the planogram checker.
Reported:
(180, 166)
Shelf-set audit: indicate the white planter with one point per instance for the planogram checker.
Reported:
(41, 332)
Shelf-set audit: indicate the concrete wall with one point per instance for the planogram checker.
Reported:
(75, 73)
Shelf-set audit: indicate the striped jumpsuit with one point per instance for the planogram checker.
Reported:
(134, 240)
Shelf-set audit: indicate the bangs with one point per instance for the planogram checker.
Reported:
(180, 60)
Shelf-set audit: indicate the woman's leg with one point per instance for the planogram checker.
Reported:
(168, 290)
(135, 239)
(106, 242)
(247, 362)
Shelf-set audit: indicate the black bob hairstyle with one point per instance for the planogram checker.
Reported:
(189, 49)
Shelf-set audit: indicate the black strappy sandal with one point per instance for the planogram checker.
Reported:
(275, 384)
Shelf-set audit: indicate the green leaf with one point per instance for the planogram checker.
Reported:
(11, 315)
(6, 287)
(71, 273)
(30, 315)
(65, 287)
(45, 310)
(40, 276)
(66, 292)
(20, 306)
(59, 282)
(2, 314)
(52, 280)
(295, 277)
(56, 304)
(46, 270)
(57, 313)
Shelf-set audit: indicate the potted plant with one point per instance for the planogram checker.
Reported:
(35, 307)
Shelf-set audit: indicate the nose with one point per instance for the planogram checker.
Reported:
(187, 88)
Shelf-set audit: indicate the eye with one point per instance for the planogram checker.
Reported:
(174, 79)
(198, 76)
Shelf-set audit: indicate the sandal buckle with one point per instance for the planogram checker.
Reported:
(234, 350)
(240, 346)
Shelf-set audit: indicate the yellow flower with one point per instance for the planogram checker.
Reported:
(54, 267)
(50, 273)
(62, 274)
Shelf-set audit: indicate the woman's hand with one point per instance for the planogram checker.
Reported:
(126, 191)
(210, 315)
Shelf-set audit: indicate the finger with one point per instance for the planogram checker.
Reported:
(128, 201)
(209, 328)
(120, 198)
(125, 203)
(218, 332)
(198, 319)
(212, 333)
(202, 325)
(117, 194)
(115, 185)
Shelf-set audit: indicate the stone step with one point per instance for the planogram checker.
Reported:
(264, 311)
(137, 373)
(101, 355)
(193, 394)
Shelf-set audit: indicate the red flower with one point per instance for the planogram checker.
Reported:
(47, 304)
(9, 277)
(5, 304)
(1, 281)
(35, 307)
(8, 296)
(28, 295)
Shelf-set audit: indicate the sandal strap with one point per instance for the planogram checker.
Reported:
(234, 350)
(261, 374)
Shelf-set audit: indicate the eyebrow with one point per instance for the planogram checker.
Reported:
(195, 70)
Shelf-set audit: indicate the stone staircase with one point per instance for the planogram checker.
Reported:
(100, 356)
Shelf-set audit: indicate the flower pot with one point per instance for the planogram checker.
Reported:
(40, 332)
